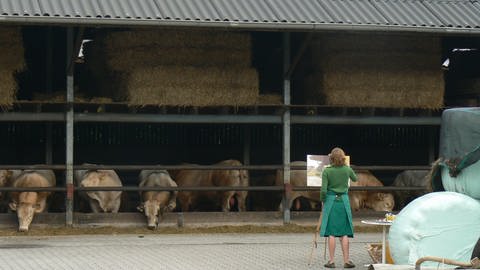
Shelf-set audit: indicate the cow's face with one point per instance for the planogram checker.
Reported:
(151, 209)
(382, 202)
(25, 213)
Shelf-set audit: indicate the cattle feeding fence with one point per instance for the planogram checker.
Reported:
(286, 188)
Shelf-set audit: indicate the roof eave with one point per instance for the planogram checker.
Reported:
(266, 26)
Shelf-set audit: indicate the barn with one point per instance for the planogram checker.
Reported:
(163, 84)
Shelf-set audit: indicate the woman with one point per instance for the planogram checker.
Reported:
(337, 215)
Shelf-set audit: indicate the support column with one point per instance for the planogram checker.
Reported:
(48, 87)
(69, 131)
(286, 128)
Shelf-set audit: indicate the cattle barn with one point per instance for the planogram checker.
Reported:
(169, 86)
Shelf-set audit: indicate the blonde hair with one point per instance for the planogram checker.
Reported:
(337, 157)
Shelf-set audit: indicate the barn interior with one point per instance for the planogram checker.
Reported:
(41, 87)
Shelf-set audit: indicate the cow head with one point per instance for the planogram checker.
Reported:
(25, 209)
(152, 211)
(381, 202)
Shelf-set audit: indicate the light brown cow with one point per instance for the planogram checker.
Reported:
(378, 201)
(209, 178)
(100, 201)
(297, 178)
(155, 203)
(241, 196)
(28, 203)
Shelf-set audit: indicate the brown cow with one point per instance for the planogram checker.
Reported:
(378, 201)
(28, 203)
(100, 201)
(209, 178)
(155, 203)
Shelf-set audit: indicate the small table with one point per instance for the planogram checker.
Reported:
(384, 224)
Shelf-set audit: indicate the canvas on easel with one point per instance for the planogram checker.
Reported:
(315, 166)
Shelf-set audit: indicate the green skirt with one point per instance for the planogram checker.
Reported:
(338, 223)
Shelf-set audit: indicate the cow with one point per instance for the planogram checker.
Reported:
(210, 178)
(410, 178)
(100, 201)
(297, 178)
(6, 179)
(241, 195)
(155, 203)
(378, 201)
(27, 203)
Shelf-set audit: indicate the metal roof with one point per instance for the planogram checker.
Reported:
(442, 16)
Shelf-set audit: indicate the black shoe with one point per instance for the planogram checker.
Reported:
(349, 264)
(329, 265)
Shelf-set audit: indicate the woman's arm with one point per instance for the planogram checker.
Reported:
(323, 192)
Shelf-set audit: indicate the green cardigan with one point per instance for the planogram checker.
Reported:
(335, 178)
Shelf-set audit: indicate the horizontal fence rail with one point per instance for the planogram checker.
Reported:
(195, 188)
(200, 167)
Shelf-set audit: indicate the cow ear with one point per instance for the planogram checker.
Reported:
(13, 206)
(141, 208)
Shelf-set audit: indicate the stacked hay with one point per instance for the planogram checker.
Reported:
(11, 62)
(185, 68)
(380, 71)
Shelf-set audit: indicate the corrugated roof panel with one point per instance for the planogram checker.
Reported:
(406, 13)
(353, 12)
(19, 8)
(300, 11)
(244, 11)
(398, 15)
(456, 13)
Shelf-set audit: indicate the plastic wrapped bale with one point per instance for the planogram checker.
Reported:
(440, 224)
(458, 167)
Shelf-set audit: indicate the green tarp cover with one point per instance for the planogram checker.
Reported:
(459, 146)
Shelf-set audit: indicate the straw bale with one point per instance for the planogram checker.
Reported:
(176, 38)
(57, 97)
(11, 44)
(190, 86)
(402, 89)
(377, 73)
(375, 43)
(8, 87)
(379, 61)
(269, 99)
(151, 56)
(104, 100)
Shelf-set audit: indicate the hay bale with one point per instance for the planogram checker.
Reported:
(8, 88)
(213, 39)
(151, 56)
(165, 67)
(191, 86)
(57, 97)
(269, 99)
(376, 72)
(11, 62)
